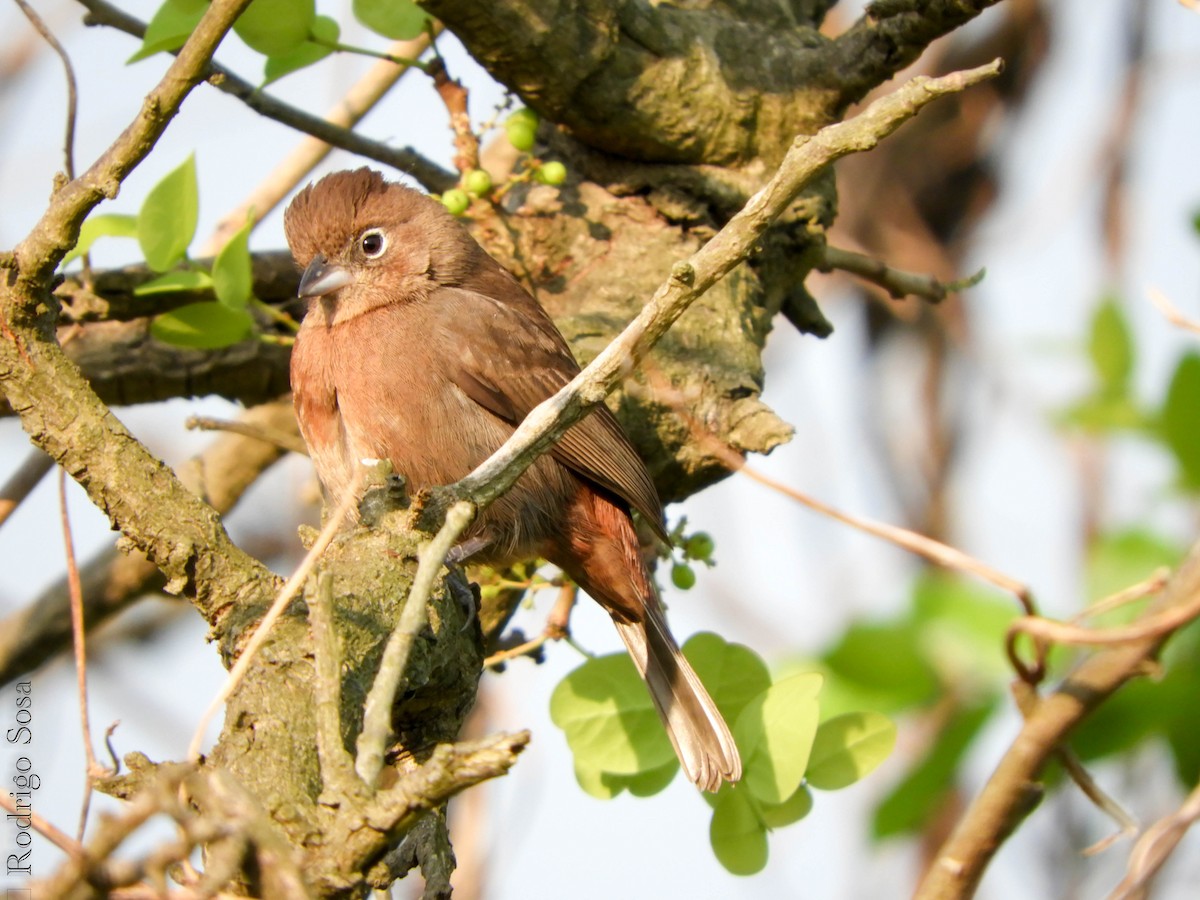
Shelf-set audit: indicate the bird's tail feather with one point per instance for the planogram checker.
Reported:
(695, 726)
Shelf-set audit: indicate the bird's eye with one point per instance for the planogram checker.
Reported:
(373, 243)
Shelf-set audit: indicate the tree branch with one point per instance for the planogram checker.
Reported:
(1012, 792)
(688, 280)
(432, 176)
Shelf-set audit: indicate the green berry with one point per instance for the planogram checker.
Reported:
(456, 200)
(478, 183)
(525, 116)
(683, 577)
(699, 546)
(552, 172)
(521, 135)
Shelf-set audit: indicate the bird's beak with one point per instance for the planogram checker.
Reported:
(321, 278)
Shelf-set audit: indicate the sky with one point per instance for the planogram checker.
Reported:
(786, 590)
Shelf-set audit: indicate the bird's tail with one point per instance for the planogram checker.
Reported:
(694, 724)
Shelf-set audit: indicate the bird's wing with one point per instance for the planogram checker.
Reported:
(514, 360)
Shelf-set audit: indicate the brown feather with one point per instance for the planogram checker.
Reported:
(428, 353)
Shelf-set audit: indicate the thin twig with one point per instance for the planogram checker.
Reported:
(1171, 313)
(932, 550)
(1153, 848)
(72, 92)
(377, 711)
(93, 769)
(558, 627)
(59, 839)
(898, 283)
(1062, 633)
(406, 159)
(286, 594)
(274, 436)
(337, 767)
(689, 279)
(291, 170)
(22, 482)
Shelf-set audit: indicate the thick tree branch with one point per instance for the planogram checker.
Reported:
(688, 280)
(60, 411)
(405, 159)
(1013, 790)
(112, 581)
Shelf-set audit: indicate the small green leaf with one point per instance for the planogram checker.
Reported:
(170, 27)
(733, 674)
(275, 27)
(105, 225)
(608, 718)
(400, 20)
(961, 627)
(1181, 418)
(1110, 347)
(606, 785)
(307, 53)
(848, 748)
(738, 836)
(775, 733)
(231, 274)
(791, 810)
(190, 280)
(167, 220)
(203, 326)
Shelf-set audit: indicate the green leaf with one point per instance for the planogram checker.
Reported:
(400, 20)
(231, 273)
(275, 27)
(848, 748)
(920, 795)
(191, 280)
(608, 718)
(95, 227)
(203, 326)
(1110, 347)
(170, 27)
(1181, 418)
(307, 53)
(738, 836)
(791, 810)
(1100, 412)
(167, 220)
(775, 733)
(887, 663)
(733, 674)
(606, 785)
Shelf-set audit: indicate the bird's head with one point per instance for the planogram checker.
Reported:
(364, 242)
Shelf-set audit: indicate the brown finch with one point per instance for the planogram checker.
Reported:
(420, 349)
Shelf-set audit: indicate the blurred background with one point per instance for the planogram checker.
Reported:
(1041, 422)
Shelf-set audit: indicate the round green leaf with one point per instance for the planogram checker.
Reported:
(790, 811)
(738, 836)
(610, 723)
(274, 27)
(95, 227)
(1110, 346)
(170, 27)
(307, 53)
(732, 673)
(231, 274)
(775, 734)
(400, 20)
(187, 281)
(203, 326)
(167, 220)
(847, 748)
